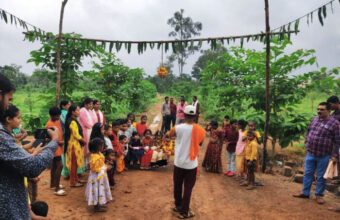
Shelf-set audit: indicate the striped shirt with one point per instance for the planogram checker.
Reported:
(323, 137)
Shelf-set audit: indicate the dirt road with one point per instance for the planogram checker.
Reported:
(148, 194)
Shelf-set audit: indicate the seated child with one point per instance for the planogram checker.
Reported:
(167, 147)
(136, 150)
(251, 157)
(121, 154)
(114, 136)
(147, 142)
(107, 135)
(157, 154)
(110, 160)
(98, 191)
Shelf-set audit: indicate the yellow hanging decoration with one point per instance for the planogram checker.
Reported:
(162, 72)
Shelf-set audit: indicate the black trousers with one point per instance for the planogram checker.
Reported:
(188, 178)
(173, 120)
(166, 123)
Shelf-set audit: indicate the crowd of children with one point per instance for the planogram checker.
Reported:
(91, 144)
(241, 149)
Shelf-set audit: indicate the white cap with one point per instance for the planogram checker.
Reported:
(190, 110)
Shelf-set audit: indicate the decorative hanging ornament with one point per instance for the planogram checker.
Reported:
(162, 72)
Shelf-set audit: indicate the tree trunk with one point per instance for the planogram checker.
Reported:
(273, 146)
(266, 127)
(58, 53)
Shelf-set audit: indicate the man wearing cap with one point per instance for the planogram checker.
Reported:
(189, 137)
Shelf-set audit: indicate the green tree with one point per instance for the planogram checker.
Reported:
(13, 72)
(202, 61)
(184, 28)
(72, 53)
(237, 80)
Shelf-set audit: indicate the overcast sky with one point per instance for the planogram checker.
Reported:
(147, 20)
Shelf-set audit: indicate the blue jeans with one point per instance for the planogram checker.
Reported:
(312, 164)
(231, 161)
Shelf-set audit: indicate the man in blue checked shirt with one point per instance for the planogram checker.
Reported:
(322, 144)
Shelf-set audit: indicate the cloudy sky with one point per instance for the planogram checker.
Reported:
(147, 20)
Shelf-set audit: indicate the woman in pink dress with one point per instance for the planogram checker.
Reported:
(87, 119)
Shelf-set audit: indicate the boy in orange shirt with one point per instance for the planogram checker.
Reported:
(57, 165)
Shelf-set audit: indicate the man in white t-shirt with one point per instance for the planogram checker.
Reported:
(189, 137)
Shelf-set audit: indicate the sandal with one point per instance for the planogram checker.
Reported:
(250, 187)
(244, 184)
(60, 192)
(300, 195)
(334, 209)
(186, 215)
(176, 209)
(100, 209)
(77, 185)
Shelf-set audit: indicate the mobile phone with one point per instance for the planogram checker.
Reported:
(41, 134)
(37, 142)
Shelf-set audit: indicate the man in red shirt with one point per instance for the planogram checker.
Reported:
(173, 111)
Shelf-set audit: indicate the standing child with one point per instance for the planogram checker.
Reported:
(147, 142)
(57, 165)
(98, 191)
(241, 142)
(121, 154)
(110, 161)
(231, 137)
(225, 123)
(252, 127)
(212, 159)
(107, 134)
(141, 127)
(251, 156)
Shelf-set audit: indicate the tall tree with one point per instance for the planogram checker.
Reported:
(184, 28)
(13, 72)
(202, 61)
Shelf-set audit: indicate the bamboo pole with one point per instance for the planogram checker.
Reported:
(266, 127)
(58, 53)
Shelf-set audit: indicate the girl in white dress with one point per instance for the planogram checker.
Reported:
(98, 191)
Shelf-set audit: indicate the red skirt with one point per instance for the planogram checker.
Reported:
(146, 159)
(212, 159)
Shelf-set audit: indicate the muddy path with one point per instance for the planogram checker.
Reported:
(148, 194)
